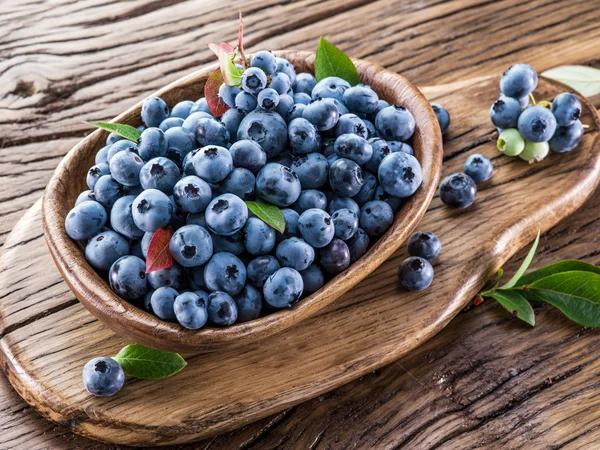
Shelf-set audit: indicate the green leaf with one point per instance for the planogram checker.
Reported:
(147, 363)
(576, 294)
(123, 130)
(569, 265)
(516, 304)
(585, 80)
(524, 266)
(226, 54)
(332, 62)
(269, 214)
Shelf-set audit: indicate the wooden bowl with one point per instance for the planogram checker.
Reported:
(142, 327)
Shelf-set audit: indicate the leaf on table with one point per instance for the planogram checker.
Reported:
(524, 265)
(516, 304)
(158, 256)
(575, 293)
(211, 93)
(147, 363)
(584, 79)
(270, 214)
(332, 62)
(123, 130)
(558, 267)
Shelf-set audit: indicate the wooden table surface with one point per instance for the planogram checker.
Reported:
(486, 381)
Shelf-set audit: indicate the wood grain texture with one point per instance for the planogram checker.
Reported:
(140, 326)
(370, 326)
(62, 62)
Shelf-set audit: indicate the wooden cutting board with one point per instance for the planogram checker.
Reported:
(46, 336)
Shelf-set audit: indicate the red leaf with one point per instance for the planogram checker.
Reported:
(159, 256)
(211, 93)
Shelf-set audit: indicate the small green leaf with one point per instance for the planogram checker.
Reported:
(576, 294)
(123, 130)
(524, 266)
(269, 214)
(332, 62)
(226, 54)
(516, 304)
(558, 267)
(585, 80)
(147, 363)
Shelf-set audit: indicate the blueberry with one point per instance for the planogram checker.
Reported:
(240, 182)
(400, 174)
(225, 272)
(159, 173)
(103, 377)
(285, 105)
(127, 277)
(566, 138)
(376, 217)
(337, 202)
(152, 210)
(534, 151)
(85, 196)
(284, 158)
(170, 122)
(424, 244)
(396, 146)
(566, 108)
(280, 82)
(192, 194)
(232, 119)
(458, 190)
(248, 154)
(371, 130)
(121, 146)
(518, 81)
(345, 223)
(226, 214)
(361, 99)
(191, 310)
(311, 169)
(254, 80)
(148, 300)
(261, 268)
(313, 279)
(302, 98)
(173, 276)
(305, 83)
(265, 61)
(102, 155)
(85, 220)
(395, 123)
(213, 163)
(152, 144)
(246, 102)
(191, 123)
(268, 99)
(442, 116)
(163, 302)
(182, 109)
(200, 105)
(233, 244)
(210, 132)
(227, 95)
(121, 218)
(296, 112)
(296, 253)
(222, 310)
(394, 202)
(283, 288)
(291, 224)
(191, 246)
(249, 304)
(505, 112)
(112, 138)
(335, 257)
(345, 177)
(266, 128)
(196, 278)
(316, 227)
(367, 192)
(105, 248)
(537, 124)
(259, 238)
(415, 273)
(510, 142)
(322, 114)
(154, 111)
(330, 87)
(353, 147)
(107, 191)
(342, 110)
(145, 243)
(278, 184)
(179, 143)
(95, 173)
(310, 198)
(304, 137)
(479, 168)
(284, 66)
(125, 168)
(358, 244)
(351, 124)
(196, 219)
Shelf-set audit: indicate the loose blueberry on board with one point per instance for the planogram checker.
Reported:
(478, 167)
(566, 108)
(127, 277)
(415, 273)
(458, 190)
(442, 116)
(283, 288)
(191, 310)
(518, 81)
(103, 377)
(222, 310)
(424, 244)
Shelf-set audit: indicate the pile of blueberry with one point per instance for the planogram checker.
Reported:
(336, 159)
(530, 130)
